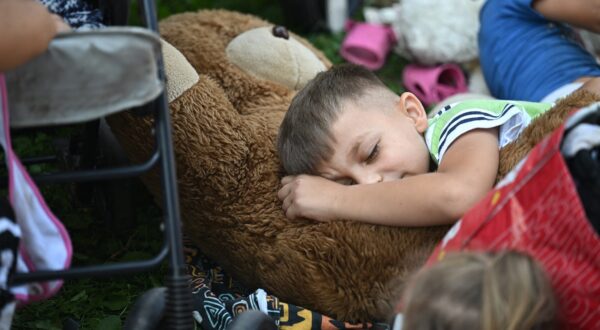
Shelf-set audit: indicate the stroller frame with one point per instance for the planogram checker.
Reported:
(177, 313)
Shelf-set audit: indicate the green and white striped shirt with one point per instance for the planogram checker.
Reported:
(452, 121)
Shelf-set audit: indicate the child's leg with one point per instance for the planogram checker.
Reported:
(562, 92)
(592, 85)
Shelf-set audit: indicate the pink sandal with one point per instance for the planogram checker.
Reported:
(435, 83)
(367, 44)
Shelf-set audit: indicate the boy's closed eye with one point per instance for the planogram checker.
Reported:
(373, 153)
(345, 181)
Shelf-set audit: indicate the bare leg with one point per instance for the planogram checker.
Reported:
(591, 84)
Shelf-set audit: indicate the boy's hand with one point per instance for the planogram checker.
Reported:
(307, 196)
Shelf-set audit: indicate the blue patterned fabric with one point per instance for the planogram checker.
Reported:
(77, 13)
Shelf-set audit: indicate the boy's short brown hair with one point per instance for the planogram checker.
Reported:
(304, 139)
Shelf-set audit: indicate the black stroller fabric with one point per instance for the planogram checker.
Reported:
(585, 169)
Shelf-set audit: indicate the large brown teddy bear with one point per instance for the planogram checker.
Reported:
(225, 122)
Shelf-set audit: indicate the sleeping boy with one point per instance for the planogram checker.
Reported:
(354, 150)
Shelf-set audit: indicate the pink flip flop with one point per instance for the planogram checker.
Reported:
(367, 44)
(431, 84)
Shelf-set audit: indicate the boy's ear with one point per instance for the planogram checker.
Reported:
(411, 107)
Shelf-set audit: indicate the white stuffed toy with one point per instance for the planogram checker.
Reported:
(432, 32)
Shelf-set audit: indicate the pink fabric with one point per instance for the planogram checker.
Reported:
(45, 243)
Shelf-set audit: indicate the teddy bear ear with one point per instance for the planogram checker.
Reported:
(180, 74)
(265, 54)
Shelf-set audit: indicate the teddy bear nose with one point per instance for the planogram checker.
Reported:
(281, 32)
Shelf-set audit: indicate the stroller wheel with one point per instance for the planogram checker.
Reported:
(252, 320)
(147, 312)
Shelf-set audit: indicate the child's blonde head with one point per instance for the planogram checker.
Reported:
(476, 290)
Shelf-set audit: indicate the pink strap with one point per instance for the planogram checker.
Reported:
(45, 243)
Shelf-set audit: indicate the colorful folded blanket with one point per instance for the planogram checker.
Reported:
(218, 299)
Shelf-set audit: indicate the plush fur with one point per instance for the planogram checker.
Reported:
(432, 32)
(224, 131)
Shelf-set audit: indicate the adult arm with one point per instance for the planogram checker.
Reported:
(466, 174)
(583, 14)
(26, 28)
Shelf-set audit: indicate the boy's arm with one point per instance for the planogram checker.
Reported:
(465, 175)
(583, 14)
(26, 28)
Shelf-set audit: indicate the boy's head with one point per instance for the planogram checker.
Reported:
(480, 290)
(346, 125)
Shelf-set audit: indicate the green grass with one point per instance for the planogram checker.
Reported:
(94, 303)
(104, 303)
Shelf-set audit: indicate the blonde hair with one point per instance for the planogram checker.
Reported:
(477, 290)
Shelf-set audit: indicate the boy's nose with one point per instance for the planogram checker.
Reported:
(368, 178)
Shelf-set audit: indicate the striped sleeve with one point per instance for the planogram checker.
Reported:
(455, 120)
